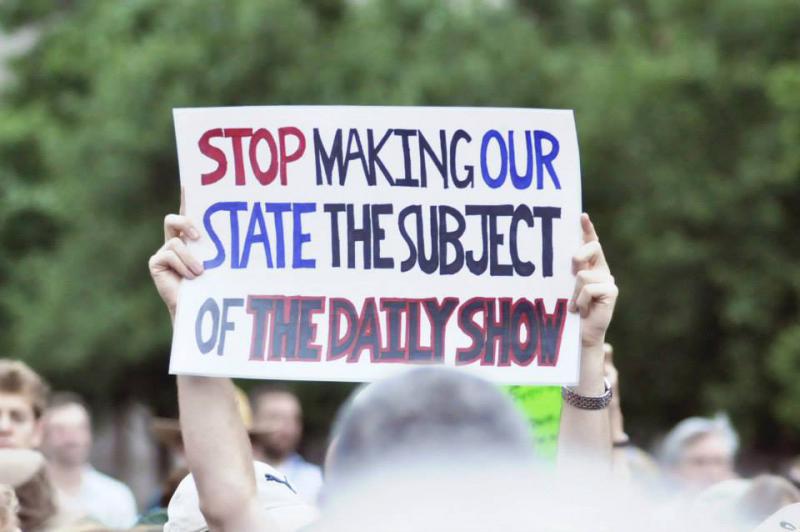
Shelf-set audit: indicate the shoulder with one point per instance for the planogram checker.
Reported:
(301, 470)
(107, 483)
(306, 477)
(300, 463)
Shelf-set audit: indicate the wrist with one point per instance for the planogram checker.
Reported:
(575, 398)
(593, 342)
(591, 379)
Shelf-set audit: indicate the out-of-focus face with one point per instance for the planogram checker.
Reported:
(278, 419)
(19, 428)
(706, 461)
(67, 435)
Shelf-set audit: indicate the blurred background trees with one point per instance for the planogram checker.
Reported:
(688, 115)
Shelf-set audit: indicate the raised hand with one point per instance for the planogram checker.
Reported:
(595, 291)
(173, 261)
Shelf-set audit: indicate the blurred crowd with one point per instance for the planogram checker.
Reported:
(48, 482)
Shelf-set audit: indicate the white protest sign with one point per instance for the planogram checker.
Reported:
(347, 243)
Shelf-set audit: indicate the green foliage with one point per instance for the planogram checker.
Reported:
(688, 113)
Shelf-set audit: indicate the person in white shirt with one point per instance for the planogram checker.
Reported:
(82, 490)
(277, 430)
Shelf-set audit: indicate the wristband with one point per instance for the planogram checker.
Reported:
(587, 403)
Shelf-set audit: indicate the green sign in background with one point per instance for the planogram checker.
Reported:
(541, 405)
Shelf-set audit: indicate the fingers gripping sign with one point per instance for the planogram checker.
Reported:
(173, 261)
(595, 291)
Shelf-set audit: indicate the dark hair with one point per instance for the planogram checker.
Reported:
(171, 484)
(270, 388)
(65, 398)
(36, 501)
(16, 377)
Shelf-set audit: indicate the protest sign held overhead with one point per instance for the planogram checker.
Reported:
(345, 243)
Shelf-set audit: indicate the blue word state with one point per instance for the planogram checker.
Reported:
(260, 214)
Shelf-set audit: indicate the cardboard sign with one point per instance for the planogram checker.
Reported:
(347, 243)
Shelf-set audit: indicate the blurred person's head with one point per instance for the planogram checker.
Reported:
(489, 493)
(700, 452)
(67, 439)
(25, 471)
(277, 421)
(436, 495)
(23, 395)
(423, 414)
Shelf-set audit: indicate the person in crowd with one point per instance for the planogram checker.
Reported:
(741, 504)
(23, 397)
(278, 428)
(275, 493)
(67, 442)
(699, 452)
(226, 487)
(168, 432)
(765, 495)
(24, 470)
(425, 412)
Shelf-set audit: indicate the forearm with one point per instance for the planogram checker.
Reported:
(217, 446)
(584, 437)
(216, 443)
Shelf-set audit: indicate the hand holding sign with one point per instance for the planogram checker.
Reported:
(173, 261)
(585, 432)
(595, 292)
